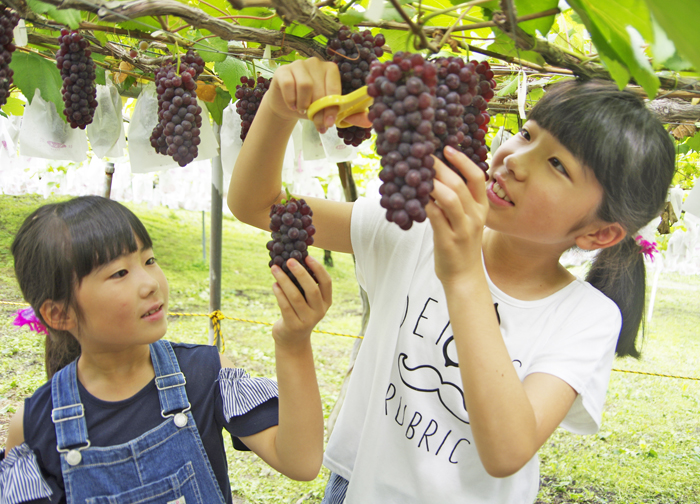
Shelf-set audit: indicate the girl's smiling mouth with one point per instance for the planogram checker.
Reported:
(153, 312)
(498, 195)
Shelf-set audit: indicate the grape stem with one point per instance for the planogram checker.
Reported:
(343, 55)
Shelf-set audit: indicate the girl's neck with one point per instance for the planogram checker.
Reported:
(523, 269)
(115, 375)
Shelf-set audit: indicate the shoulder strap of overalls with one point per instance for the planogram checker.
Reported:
(68, 414)
(170, 381)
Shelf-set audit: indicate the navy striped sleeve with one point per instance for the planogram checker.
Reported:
(20, 477)
(241, 393)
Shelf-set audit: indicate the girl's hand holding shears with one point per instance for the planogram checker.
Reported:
(299, 315)
(457, 214)
(295, 87)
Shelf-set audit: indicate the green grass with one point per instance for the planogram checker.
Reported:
(648, 449)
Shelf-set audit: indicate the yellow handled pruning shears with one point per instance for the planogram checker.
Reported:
(349, 104)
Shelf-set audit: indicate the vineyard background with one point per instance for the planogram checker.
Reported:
(649, 46)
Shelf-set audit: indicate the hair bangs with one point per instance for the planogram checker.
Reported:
(101, 231)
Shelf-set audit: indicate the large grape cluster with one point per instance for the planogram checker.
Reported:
(250, 93)
(292, 233)
(8, 21)
(179, 117)
(354, 53)
(403, 115)
(78, 74)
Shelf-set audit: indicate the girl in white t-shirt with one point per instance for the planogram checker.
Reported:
(473, 312)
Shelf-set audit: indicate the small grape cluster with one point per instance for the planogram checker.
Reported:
(74, 60)
(403, 115)
(250, 93)
(292, 234)
(354, 53)
(179, 117)
(8, 21)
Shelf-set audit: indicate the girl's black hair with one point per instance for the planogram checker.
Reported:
(58, 245)
(611, 132)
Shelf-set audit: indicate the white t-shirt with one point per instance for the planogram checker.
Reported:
(403, 434)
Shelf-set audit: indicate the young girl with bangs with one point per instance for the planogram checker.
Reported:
(127, 417)
(480, 343)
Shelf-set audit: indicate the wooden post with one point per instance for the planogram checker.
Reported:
(217, 182)
(109, 172)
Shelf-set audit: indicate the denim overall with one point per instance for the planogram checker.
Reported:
(166, 465)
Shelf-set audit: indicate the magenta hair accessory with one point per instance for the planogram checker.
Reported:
(648, 248)
(28, 317)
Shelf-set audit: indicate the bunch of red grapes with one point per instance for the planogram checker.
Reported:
(403, 116)
(249, 94)
(74, 60)
(292, 233)
(179, 117)
(8, 21)
(354, 54)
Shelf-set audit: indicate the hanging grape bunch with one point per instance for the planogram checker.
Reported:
(402, 115)
(292, 233)
(179, 117)
(476, 119)
(8, 21)
(78, 74)
(354, 53)
(460, 118)
(250, 93)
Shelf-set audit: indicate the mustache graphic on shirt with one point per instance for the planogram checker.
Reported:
(424, 378)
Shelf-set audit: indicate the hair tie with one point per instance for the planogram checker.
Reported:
(28, 317)
(647, 248)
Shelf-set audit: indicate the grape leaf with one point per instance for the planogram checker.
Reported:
(34, 72)
(212, 49)
(216, 108)
(14, 106)
(70, 17)
(231, 70)
(680, 21)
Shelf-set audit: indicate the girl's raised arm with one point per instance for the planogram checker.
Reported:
(257, 176)
(295, 446)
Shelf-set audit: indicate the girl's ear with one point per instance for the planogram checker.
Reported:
(57, 316)
(604, 236)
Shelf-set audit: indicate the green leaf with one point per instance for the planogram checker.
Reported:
(693, 143)
(505, 45)
(216, 108)
(34, 72)
(351, 18)
(212, 50)
(14, 106)
(399, 40)
(145, 24)
(510, 87)
(100, 76)
(543, 25)
(70, 17)
(618, 28)
(231, 70)
(679, 20)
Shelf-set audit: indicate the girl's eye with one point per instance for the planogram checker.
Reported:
(558, 166)
(525, 133)
(152, 260)
(120, 274)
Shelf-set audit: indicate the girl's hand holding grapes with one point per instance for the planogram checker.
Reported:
(457, 213)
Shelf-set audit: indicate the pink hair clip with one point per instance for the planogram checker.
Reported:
(647, 248)
(28, 317)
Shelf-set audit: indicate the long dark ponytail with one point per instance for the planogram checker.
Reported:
(61, 243)
(633, 159)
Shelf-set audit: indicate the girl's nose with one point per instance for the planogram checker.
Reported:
(515, 164)
(149, 285)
